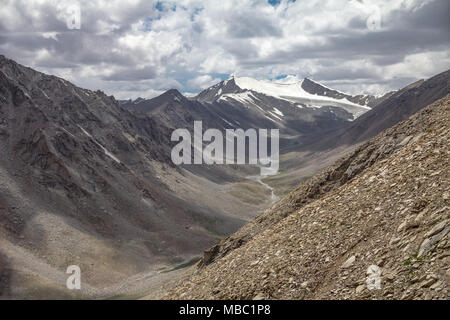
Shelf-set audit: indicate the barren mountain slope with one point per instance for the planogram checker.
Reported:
(318, 89)
(302, 160)
(84, 181)
(393, 214)
(250, 103)
(344, 169)
(392, 110)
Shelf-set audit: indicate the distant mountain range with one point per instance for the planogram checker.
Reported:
(399, 106)
(372, 226)
(88, 180)
(305, 109)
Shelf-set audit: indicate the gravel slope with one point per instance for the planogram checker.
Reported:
(393, 214)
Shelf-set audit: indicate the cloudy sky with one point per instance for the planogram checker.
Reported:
(142, 48)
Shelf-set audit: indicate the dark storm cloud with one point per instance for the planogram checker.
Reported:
(242, 49)
(85, 48)
(126, 47)
(433, 15)
(338, 72)
(408, 33)
(26, 41)
(45, 21)
(132, 75)
(251, 26)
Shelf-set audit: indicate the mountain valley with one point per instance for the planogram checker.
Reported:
(88, 180)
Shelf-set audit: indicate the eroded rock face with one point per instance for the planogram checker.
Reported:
(373, 226)
(85, 181)
(400, 105)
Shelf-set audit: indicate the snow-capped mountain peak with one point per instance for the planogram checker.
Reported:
(301, 94)
(269, 88)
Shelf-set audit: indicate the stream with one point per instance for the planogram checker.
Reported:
(258, 179)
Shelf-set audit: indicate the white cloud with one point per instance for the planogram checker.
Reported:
(140, 48)
(201, 82)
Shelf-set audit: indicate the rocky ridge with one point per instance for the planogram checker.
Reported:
(320, 240)
(404, 103)
(84, 181)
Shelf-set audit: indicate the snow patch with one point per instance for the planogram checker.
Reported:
(109, 154)
(272, 89)
(43, 92)
(67, 132)
(270, 118)
(274, 115)
(228, 122)
(106, 151)
(243, 97)
(278, 112)
(293, 92)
